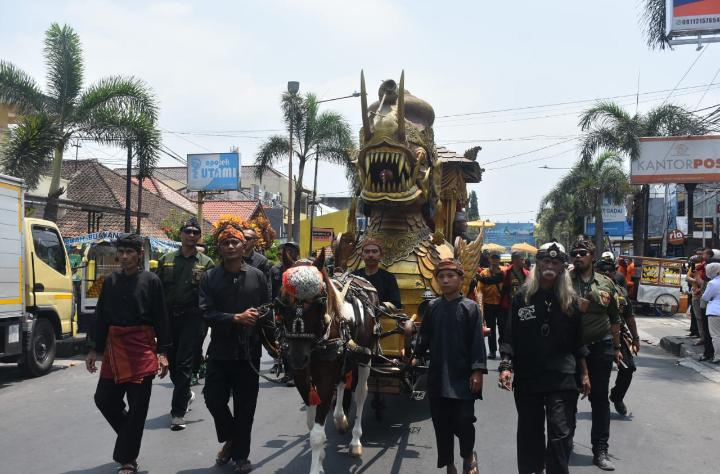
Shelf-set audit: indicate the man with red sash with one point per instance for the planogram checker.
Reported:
(131, 331)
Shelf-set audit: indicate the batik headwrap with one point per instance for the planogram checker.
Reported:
(303, 282)
(449, 264)
(229, 231)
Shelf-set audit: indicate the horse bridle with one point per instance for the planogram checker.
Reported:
(297, 327)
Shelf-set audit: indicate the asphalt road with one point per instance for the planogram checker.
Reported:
(50, 425)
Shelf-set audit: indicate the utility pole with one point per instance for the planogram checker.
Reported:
(200, 200)
(292, 87)
(77, 146)
(314, 199)
(128, 187)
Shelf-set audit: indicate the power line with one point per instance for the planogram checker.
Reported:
(697, 58)
(557, 104)
(532, 161)
(528, 152)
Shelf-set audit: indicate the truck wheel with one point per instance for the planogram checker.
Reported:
(41, 354)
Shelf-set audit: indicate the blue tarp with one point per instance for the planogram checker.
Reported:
(158, 245)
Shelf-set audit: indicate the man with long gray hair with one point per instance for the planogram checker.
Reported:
(541, 349)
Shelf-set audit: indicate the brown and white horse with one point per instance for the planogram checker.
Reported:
(327, 336)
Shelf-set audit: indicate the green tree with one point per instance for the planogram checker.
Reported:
(654, 20)
(607, 126)
(581, 193)
(327, 131)
(561, 215)
(114, 110)
(473, 213)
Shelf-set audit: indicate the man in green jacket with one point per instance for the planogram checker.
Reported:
(601, 333)
(180, 272)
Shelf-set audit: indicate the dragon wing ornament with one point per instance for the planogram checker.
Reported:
(469, 255)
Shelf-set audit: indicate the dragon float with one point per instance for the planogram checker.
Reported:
(409, 195)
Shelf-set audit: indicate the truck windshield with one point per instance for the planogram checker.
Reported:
(49, 248)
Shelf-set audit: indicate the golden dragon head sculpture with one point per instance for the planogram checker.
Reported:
(397, 156)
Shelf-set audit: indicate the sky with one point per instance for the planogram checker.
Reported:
(512, 77)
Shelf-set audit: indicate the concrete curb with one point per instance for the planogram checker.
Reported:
(681, 346)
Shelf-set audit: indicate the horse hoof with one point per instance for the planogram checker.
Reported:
(356, 451)
(342, 427)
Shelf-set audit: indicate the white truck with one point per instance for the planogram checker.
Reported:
(36, 294)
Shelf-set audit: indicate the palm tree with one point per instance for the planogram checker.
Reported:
(581, 193)
(115, 110)
(654, 19)
(608, 126)
(598, 180)
(327, 132)
(557, 218)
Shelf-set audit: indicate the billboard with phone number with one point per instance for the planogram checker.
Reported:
(692, 17)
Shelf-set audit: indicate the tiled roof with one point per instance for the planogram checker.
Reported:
(212, 210)
(91, 182)
(156, 186)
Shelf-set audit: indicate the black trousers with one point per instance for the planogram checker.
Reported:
(693, 321)
(533, 452)
(127, 421)
(625, 374)
(452, 417)
(709, 349)
(236, 377)
(599, 363)
(495, 321)
(186, 329)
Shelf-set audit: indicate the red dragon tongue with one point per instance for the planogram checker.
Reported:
(386, 176)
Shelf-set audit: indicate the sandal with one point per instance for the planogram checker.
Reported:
(469, 467)
(243, 467)
(128, 468)
(223, 456)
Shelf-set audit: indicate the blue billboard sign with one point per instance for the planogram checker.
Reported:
(213, 172)
(508, 234)
(613, 229)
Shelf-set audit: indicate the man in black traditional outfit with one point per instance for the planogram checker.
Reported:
(229, 297)
(384, 282)
(130, 315)
(542, 347)
(452, 330)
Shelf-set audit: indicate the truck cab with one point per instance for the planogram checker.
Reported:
(49, 293)
(36, 292)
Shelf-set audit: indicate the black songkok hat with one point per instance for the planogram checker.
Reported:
(130, 241)
(191, 223)
(584, 244)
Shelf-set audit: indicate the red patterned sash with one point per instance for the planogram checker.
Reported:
(130, 354)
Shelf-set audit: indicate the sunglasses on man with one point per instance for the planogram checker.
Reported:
(191, 231)
(579, 253)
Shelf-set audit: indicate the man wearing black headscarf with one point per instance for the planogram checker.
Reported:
(130, 316)
(180, 272)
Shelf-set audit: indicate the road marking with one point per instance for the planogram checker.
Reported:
(649, 338)
(707, 372)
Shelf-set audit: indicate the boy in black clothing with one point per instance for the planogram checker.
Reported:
(452, 330)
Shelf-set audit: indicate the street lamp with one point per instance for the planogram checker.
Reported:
(314, 203)
(292, 87)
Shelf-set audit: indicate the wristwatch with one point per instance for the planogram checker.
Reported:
(617, 348)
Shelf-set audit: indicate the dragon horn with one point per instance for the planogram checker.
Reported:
(401, 109)
(364, 106)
